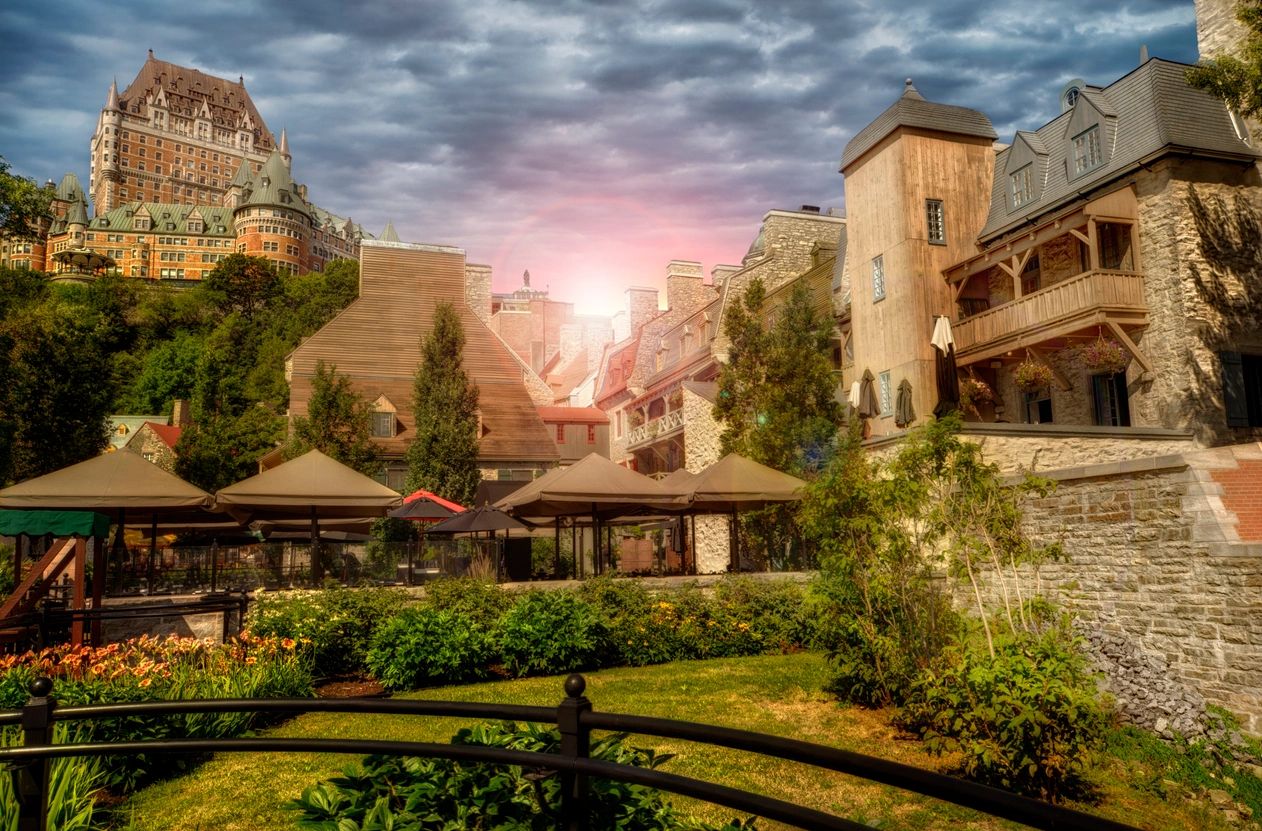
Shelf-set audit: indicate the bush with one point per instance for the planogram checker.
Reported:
(423, 646)
(440, 794)
(334, 625)
(553, 632)
(774, 609)
(481, 601)
(1025, 720)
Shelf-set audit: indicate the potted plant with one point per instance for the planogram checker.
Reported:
(1031, 375)
(974, 392)
(1104, 355)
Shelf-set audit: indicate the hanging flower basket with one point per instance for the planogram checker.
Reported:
(973, 393)
(1104, 355)
(1032, 375)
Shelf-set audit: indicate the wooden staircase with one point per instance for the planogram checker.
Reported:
(18, 611)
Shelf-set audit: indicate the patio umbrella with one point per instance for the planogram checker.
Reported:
(477, 520)
(423, 506)
(868, 404)
(903, 412)
(945, 371)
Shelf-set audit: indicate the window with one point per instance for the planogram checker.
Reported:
(1087, 150)
(1242, 389)
(1038, 407)
(591, 434)
(1022, 185)
(936, 219)
(1031, 277)
(383, 425)
(1112, 406)
(560, 434)
(887, 397)
(878, 278)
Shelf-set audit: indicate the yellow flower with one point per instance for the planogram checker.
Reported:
(288, 643)
(146, 682)
(251, 660)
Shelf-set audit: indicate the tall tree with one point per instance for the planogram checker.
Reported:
(242, 284)
(338, 423)
(443, 457)
(777, 391)
(24, 205)
(220, 449)
(1236, 79)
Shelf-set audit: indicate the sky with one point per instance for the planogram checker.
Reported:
(589, 142)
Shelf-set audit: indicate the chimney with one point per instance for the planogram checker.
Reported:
(180, 415)
(720, 274)
(810, 209)
(571, 342)
(683, 284)
(641, 306)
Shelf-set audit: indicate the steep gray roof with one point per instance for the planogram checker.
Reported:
(389, 234)
(1143, 114)
(243, 177)
(70, 190)
(912, 110)
(274, 186)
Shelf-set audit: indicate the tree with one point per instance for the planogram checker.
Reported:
(777, 391)
(338, 423)
(224, 448)
(243, 284)
(443, 457)
(1236, 80)
(24, 205)
(166, 372)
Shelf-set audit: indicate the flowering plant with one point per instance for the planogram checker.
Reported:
(1032, 375)
(974, 392)
(1104, 355)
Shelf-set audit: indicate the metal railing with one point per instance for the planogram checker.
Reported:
(575, 720)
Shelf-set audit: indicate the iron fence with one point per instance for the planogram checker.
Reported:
(575, 719)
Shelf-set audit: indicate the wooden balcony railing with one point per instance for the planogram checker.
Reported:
(660, 427)
(1090, 296)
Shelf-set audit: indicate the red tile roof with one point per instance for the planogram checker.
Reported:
(169, 435)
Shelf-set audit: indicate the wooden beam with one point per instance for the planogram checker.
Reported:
(1093, 246)
(1129, 346)
(1041, 357)
(1081, 236)
(39, 578)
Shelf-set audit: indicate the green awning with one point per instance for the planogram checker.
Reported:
(57, 523)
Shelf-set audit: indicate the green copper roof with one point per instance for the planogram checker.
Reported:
(274, 186)
(70, 190)
(243, 177)
(167, 219)
(389, 235)
(78, 213)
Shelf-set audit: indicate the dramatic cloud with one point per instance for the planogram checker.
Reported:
(590, 142)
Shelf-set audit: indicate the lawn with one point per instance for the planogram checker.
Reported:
(778, 694)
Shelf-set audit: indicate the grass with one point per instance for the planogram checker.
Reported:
(778, 694)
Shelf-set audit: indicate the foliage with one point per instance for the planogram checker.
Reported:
(338, 423)
(218, 450)
(335, 625)
(72, 786)
(552, 632)
(481, 601)
(165, 373)
(419, 794)
(974, 392)
(1236, 79)
(423, 646)
(1031, 375)
(1025, 718)
(24, 205)
(8, 580)
(242, 284)
(1104, 355)
(443, 456)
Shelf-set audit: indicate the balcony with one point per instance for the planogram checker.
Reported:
(658, 428)
(1089, 299)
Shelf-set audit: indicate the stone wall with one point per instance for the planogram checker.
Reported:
(478, 290)
(701, 449)
(1152, 557)
(1218, 32)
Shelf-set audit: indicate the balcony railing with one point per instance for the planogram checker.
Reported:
(1046, 312)
(660, 427)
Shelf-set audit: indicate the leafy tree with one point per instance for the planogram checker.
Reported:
(777, 391)
(223, 448)
(338, 423)
(242, 284)
(443, 457)
(57, 394)
(24, 205)
(20, 287)
(1236, 80)
(165, 373)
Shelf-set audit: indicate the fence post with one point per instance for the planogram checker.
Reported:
(575, 743)
(31, 777)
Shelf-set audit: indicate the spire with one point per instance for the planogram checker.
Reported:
(112, 102)
(243, 176)
(525, 278)
(78, 214)
(389, 234)
(284, 142)
(910, 91)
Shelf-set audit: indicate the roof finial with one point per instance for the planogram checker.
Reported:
(150, 54)
(1143, 54)
(907, 83)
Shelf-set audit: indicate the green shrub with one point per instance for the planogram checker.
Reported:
(334, 625)
(423, 646)
(1025, 720)
(439, 794)
(481, 601)
(706, 628)
(774, 609)
(72, 785)
(553, 632)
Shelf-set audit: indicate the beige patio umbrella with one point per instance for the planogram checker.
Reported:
(312, 488)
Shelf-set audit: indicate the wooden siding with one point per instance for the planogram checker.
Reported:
(1083, 300)
(376, 342)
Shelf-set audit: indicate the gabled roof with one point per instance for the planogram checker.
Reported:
(167, 218)
(1147, 112)
(169, 434)
(912, 110)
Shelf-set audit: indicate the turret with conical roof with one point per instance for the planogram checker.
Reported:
(389, 235)
(273, 218)
(284, 148)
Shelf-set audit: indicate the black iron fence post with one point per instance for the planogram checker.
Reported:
(31, 778)
(575, 743)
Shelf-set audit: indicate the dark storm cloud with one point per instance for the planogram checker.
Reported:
(456, 119)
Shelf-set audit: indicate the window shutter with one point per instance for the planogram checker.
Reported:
(1235, 400)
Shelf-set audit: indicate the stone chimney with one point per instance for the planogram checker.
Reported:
(720, 273)
(641, 306)
(683, 284)
(180, 414)
(477, 290)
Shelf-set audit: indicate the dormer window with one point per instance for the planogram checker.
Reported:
(1021, 185)
(383, 425)
(1087, 150)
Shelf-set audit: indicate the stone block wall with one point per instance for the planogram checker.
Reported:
(701, 449)
(478, 290)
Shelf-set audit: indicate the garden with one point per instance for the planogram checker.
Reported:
(975, 675)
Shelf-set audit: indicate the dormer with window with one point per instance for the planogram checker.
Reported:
(1025, 162)
(1086, 136)
(385, 418)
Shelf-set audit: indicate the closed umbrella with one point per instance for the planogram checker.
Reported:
(869, 406)
(945, 371)
(903, 412)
